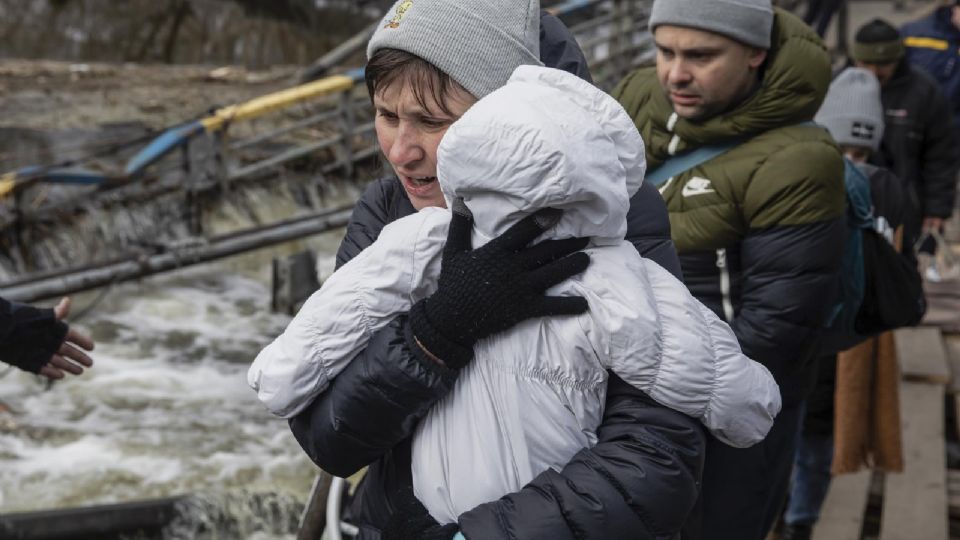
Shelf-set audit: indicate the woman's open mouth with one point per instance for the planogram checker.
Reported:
(423, 181)
(418, 185)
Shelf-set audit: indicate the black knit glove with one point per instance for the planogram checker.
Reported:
(490, 289)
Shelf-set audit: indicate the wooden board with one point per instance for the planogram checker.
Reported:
(842, 515)
(943, 305)
(922, 355)
(953, 491)
(952, 343)
(915, 501)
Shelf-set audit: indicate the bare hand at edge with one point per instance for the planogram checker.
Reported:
(70, 358)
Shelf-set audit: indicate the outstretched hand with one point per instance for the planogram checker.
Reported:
(492, 288)
(70, 357)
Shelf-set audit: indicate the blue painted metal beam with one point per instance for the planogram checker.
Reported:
(73, 176)
(161, 146)
(51, 175)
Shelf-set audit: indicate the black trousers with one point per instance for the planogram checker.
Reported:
(744, 489)
(821, 12)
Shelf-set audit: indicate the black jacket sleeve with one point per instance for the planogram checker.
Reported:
(386, 383)
(888, 195)
(28, 336)
(639, 482)
(787, 273)
(648, 229)
(939, 159)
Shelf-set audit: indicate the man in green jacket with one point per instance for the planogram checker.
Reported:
(759, 228)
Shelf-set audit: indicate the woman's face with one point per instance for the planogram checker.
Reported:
(409, 134)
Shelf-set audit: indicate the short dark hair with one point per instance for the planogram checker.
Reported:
(388, 66)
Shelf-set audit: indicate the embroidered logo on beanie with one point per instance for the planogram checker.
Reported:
(863, 131)
(402, 9)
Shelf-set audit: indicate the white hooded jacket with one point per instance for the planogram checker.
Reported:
(533, 396)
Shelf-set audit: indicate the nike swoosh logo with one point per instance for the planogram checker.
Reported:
(697, 186)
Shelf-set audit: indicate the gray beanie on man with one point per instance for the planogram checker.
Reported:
(478, 43)
(852, 111)
(747, 21)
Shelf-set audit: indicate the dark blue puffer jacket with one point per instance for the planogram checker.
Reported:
(933, 44)
(639, 482)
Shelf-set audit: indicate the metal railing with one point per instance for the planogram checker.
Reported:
(328, 121)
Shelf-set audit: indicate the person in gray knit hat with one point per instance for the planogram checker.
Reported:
(473, 45)
(853, 114)
(429, 61)
(734, 35)
(852, 111)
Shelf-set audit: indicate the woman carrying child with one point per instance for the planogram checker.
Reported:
(404, 372)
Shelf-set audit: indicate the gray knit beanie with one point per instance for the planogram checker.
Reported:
(852, 111)
(478, 43)
(746, 21)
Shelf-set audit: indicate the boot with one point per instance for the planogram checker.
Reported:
(797, 531)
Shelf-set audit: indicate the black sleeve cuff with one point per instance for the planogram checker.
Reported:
(417, 351)
(451, 353)
(35, 335)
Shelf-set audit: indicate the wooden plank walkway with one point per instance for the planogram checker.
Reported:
(952, 343)
(922, 355)
(915, 502)
(842, 514)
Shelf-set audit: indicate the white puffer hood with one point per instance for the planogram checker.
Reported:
(546, 139)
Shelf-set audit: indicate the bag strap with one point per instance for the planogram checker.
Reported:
(688, 160)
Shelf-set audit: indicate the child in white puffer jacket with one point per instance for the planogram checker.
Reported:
(534, 395)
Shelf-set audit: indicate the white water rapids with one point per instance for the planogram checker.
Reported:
(166, 410)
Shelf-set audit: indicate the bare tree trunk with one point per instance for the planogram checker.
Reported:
(156, 23)
(12, 25)
(262, 44)
(183, 10)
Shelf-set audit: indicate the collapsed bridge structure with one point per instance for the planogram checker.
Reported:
(153, 202)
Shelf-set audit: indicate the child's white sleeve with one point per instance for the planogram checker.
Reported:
(684, 357)
(336, 322)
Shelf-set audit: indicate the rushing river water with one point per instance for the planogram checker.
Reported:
(165, 410)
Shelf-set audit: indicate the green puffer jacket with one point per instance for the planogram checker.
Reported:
(759, 229)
